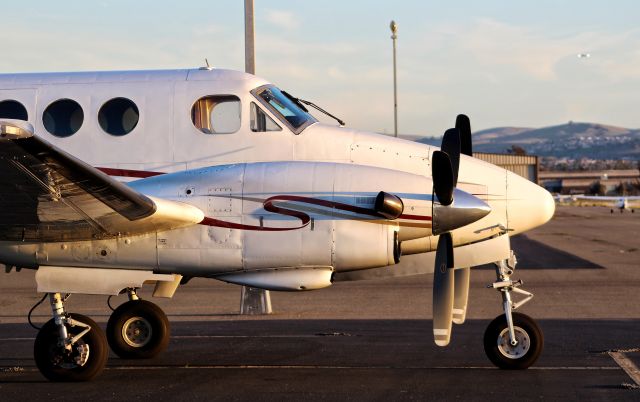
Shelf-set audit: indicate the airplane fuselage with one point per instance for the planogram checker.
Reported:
(230, 175)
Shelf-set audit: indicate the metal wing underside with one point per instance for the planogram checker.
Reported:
(48, 195)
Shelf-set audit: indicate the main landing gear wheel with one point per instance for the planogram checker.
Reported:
(498, 347)
(82, 361)
(138, 329)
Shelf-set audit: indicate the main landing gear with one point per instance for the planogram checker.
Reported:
(138, 329)
(72, 347)
(512, 340)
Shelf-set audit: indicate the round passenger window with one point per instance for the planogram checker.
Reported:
(63, 117)
(119, 116)
(10, 109)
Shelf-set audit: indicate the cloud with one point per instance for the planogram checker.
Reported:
(497, 46)
(500, 73)
(67, 50)
(282, 19)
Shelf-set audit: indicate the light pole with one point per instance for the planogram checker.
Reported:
(394, 36)
(249, 38)
(252, 300)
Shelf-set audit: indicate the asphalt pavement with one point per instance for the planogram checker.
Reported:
(371, 340)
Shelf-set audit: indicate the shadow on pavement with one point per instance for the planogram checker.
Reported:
(532, 254)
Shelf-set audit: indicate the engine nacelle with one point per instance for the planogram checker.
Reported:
(362, 245)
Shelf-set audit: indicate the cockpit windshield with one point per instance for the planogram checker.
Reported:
(284, 108)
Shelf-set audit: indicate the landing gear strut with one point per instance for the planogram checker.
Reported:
(69, 347)
(512, 340)
(138, 329)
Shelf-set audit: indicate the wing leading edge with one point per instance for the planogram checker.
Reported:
(47, 194)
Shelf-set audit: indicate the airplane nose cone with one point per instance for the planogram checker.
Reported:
(464, 210)
(528, 205)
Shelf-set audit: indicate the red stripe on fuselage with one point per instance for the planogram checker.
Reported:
(269, 206)
(304, 218)
(139, 174)
(415, 217)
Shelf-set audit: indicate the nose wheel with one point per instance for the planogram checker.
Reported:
(513, 340)
(520, 354)
(138, 329)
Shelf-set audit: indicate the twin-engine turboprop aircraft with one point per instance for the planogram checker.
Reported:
(228, 177)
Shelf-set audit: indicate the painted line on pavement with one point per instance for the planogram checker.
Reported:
(627, 365)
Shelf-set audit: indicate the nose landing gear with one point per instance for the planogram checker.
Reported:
(512, 340)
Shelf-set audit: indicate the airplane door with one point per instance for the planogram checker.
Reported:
(15, 103)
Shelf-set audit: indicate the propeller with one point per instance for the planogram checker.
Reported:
(444, 170)
(451, 145)
(463, 124)
(452, 208)
(443, 290)
(443, 177)
(461, 294)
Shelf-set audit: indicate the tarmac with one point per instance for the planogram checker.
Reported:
(371, 340)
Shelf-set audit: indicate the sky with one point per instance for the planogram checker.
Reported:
(503, 63)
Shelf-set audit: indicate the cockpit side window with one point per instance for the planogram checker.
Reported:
(261, 122)
(284, 108)
(217, 114)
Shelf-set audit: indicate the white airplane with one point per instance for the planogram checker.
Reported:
(236, 181)
(564, 197)
(617, 203)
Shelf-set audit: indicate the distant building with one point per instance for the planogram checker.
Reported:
(526, 166)
(580, 182)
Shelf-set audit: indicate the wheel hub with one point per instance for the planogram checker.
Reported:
(64, 358)
(137, 332)
(518, 350)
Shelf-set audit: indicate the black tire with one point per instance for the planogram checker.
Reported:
(138, 329)
(523, 355)
(56, 364)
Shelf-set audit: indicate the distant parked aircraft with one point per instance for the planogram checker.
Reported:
(620, 203)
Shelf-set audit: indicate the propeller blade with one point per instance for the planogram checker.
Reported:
(464, 125)
(461, 294)
(451, 145)
(443, 290)
(442, 174)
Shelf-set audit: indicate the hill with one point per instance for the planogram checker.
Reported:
(572, 140)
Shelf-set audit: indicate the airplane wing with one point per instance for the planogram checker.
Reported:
(47, 194)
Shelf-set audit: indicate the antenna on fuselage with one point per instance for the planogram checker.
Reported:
(207, 67)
